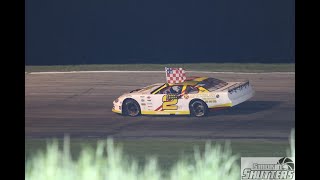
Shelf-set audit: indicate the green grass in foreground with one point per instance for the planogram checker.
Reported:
(107, 160)
(212, 67)
(167, 151)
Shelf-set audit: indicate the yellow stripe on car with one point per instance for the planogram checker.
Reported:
(163, 86)
(166, 112)
(221, 105)
(200, 79)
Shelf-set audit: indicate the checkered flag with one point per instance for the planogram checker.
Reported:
(175, 75)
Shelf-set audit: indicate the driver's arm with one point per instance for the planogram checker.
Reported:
(167, 91)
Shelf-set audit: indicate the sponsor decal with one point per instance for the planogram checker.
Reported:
(142, 100)
(217, 96)
(148, 97)
(261, 168)
(149, 103)
(171, 96)
(209, 100)
(186, 96)
(206, 95)
(213, 101)
(143, 104)
(141, 96)
(150, 106)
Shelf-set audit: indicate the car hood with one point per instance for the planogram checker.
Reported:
(142, 91)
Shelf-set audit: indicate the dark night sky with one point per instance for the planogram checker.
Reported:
(159, 31)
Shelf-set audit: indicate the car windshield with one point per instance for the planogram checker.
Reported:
(212, 84)
(149, 88)
(146, 88)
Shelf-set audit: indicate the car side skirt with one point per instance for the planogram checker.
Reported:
(221, 105)
(165, 112)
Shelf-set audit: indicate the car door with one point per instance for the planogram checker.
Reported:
(168, 101)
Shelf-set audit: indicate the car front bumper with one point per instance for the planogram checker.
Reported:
(116, 111)
(116, 108)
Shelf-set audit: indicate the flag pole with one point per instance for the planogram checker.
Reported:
(165, 70)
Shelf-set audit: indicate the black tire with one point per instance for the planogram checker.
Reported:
(131, 108)
(198, 108)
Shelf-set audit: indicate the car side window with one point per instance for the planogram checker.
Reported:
(165, 90)
(192, 90)
(171, 90)
(176, 89)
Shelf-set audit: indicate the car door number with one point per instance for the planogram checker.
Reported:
(169, 102)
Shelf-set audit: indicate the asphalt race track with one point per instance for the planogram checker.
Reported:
(79, 104)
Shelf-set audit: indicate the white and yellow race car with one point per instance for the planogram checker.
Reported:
(195, 96)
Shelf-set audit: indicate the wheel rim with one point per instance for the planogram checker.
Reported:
(198, 108)
(132, 109)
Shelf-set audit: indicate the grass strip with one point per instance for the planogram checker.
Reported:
(211, 67)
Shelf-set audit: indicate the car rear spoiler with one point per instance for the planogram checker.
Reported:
(238, 86)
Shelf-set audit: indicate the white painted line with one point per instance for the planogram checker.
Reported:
(243, 72)
(74, 72)
(208, 72)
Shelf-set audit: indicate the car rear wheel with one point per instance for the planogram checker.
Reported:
(131, 108)
(198, 108)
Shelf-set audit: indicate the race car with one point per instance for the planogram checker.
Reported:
(195, 96)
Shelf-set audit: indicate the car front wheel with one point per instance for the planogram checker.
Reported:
(198, 108)
(131, 108)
